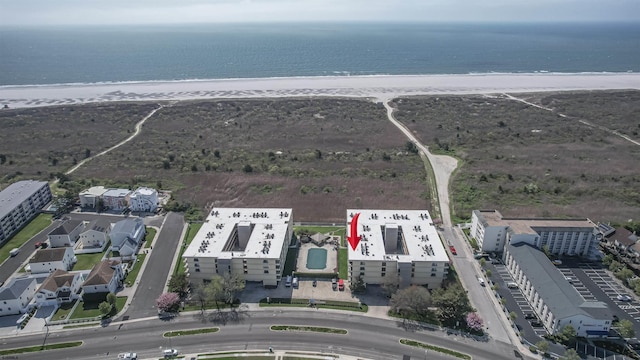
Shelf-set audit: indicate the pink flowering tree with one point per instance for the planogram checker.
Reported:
(168, 302)
(474, 322)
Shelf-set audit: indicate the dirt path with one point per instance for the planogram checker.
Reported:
(443, 166)
(585, 122)
(137, 131)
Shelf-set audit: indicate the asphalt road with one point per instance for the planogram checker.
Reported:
(26, 251)
(367, 337)
(156, 272)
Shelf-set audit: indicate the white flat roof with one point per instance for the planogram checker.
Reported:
(144, 191)
(269, 227)
(94, 190)
(117, 192)
(421, 239)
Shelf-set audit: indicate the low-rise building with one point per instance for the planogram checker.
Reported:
(49, 260)
(551, 296)
(249, 242)
(66, 234)
(16, 295)
(126, 236)
(397, 243)
(493, 231)
(19, 203)
(105, 277)
(95, 233)
(143, 199)
(116, 199)
(91, 197)
(623, 239)
(60, 287)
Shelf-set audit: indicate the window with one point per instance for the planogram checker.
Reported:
(196, 259)
(361, 268)
(433, 274)
(266, 271)
(197, 270)
(265, 261)
(383, 274)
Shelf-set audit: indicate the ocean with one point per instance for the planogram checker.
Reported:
(59, 55)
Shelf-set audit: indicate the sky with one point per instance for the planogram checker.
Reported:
(106, 12)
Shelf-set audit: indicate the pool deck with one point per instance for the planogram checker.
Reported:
(332, 258)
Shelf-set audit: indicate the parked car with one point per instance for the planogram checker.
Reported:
(42, 245)
(334, 284)
(536, 323)
(341, 285)
(453, 250)
(14, 252)
(128, 356)
(314, 283)
(529, 316)
(481, 281)
(512, 285)
(623, 297)
(168, 353)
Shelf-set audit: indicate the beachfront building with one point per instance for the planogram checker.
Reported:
(91, 197)
(66, 234)
(402, 243)
(249, 242)
(116, 199)
(493, 231)
(19, 203)
(554, 300)
(143, 199)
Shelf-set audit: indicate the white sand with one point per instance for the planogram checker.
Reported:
(377, 87)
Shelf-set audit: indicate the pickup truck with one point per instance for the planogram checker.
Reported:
(128, 356)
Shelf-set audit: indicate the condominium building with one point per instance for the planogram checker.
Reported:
(249, 242)
(556, 302)
(143, 199)
(19, 203)
(397, 243)
(493, 231)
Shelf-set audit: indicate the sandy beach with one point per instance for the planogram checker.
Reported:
(375, 87)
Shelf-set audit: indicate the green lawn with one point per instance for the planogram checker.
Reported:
(89, 310)
(188, 237)
(343, 262)
(290, 262)
(148, 238)
(36, 225)
(63, 311)
(38, 348)
(133, 273)
(87, 261)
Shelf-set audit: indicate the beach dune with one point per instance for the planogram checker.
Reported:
(375, 87)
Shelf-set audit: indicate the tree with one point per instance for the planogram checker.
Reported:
(568, 334)
(414, 300)
(247, 168)
(168, 302)
(199, 294)
(232, 285)
(390, 284)
(546, 251)
(570, 354)
(358, 286)
(452, 303)
(111, 299)
(488, 273)
(474, 322)
(483, 262)
(607, 259)
(411, 147)
(543, 346)
(105, 308)
(513, 316)
(179, 284)
(625, 328)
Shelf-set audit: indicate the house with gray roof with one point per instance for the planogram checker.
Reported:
(60, 287)
(95, 234)
(19, 203)
(16, 296)
(66, 234)
(49, 260)
(126, 236)
(105, 277)
(622, 238)
(556, 302)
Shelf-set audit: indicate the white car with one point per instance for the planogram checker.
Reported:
(170, 353)
(623, 297)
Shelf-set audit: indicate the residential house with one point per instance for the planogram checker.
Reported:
(116, 199)
(49, 260)
(143, 199)
(622, 239)
(60, 287)
(16, 295)
(66, 234)
(19, 203)
(95, 233)
(91, 197)
(126, 236)
(105, 277)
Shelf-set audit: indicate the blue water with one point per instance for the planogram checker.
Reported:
(99, 54)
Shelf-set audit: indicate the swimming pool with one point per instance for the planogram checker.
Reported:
(316, 259)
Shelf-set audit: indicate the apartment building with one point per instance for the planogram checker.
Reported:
(556, 302)
(251, 242)
(493, 232)
(402, 243)
(19, 203)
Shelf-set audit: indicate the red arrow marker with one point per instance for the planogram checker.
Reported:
(353, 238)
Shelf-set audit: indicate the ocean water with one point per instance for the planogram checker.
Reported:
(54, 55)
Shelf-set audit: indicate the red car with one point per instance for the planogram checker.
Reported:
(453, 250)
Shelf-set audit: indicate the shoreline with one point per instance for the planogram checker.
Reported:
(379, 87)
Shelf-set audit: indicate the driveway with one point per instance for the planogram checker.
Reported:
(156, 271)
